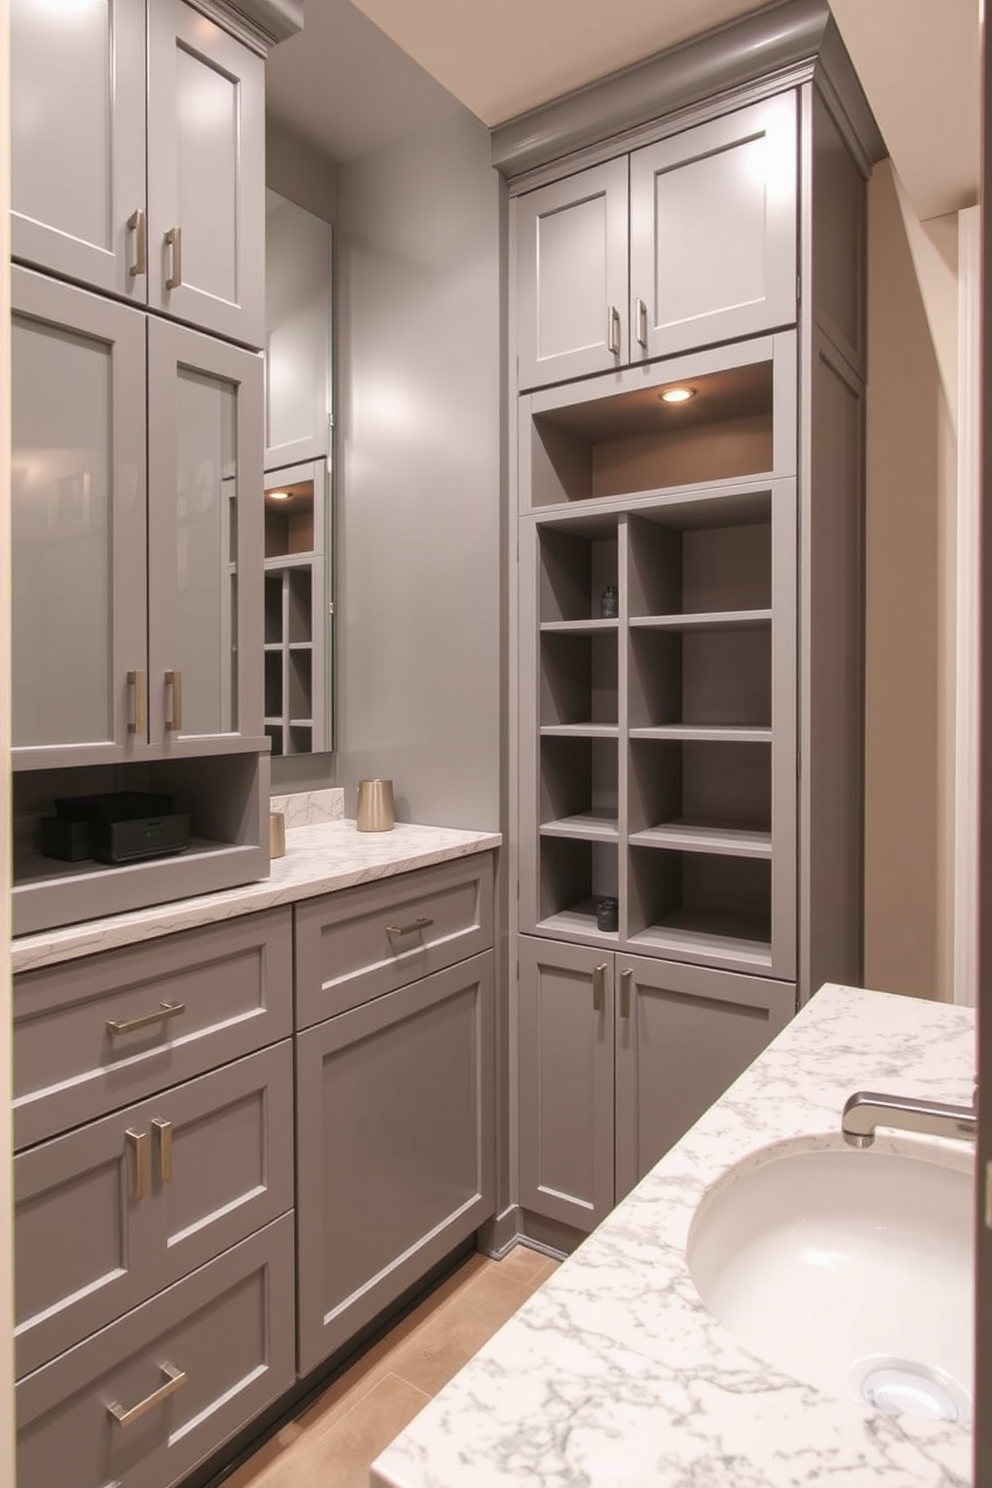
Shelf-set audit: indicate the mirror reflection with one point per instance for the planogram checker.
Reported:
(299, 605)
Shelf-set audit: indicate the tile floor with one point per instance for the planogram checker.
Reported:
(336, 1438)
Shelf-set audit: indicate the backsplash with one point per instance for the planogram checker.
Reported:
(306, 808)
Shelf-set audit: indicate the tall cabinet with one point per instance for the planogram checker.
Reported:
(687, 388)
(137, 231)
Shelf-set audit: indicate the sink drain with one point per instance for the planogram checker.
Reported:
(901, 1387)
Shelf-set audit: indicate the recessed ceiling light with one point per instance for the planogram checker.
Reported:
(278, 495)
(677, 394)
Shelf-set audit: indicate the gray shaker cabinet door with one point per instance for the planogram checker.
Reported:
(142, 1402)
(395, 1149)
(146, 1196)
(572, 276)
(77, 114)
(205, 540)
(683, 1035)
(77, 524)
(206, 192)
(565, 1040)
(713, 231)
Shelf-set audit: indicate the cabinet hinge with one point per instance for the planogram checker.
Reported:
(799, 764)
(799, 289)
(988, 1196)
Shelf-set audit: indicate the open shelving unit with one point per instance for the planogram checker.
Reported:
(662, 737)
(296, 610)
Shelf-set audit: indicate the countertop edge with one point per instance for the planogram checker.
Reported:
(320, 858)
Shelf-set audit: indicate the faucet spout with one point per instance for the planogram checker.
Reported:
(866, 1110)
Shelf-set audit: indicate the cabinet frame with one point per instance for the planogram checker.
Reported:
(580, 1087)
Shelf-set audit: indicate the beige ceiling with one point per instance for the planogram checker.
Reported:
(918, 61)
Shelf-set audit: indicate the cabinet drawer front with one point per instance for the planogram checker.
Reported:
(395, 1110)
(228, 1328)
(357, 944)
(215, 1164)
(232, 981)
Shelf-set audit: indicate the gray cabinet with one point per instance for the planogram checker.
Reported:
(137, 592)
(188, 241)
(682, 243)
(148, 1194)
(395, 1094)
(154, 1126)
(77, 117)
(659, 741)
(297, 334)
(572, 276)
(144, 1401)
(618, 1056)
(396, 1149)
(78, 521)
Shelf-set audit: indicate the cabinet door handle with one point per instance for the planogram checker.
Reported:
(136, 225)
(164, 1011)
(138, 684)
(174, 722)
(642, 323)
(599, 988)
(174, 239)
(613, 329)
(418, 924)
(625, 980)
(163, 1136)
(174, 1380)
(137, 1141)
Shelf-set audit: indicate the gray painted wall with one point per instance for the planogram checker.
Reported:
(418, 493)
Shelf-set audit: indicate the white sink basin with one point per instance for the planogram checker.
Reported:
(851, 1270)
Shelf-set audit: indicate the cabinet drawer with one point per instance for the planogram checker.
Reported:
(232, 983)
(359, 943)
(216, 1164)
(228, 1329)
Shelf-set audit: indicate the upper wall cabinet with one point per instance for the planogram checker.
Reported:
(706, 219)
(188, 238)
(113, 661)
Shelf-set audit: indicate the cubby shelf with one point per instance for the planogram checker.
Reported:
(584, 825)
(698, 837)
(665, 734)
(719, 620)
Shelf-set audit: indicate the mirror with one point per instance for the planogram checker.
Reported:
(298, 486)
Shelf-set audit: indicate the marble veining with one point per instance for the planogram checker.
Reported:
(308, 808)
(319, 859)
(615, 1375)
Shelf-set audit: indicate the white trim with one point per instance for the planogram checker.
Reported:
(966, 747)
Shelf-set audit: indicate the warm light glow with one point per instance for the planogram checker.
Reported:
(278, 495)
(677, 394)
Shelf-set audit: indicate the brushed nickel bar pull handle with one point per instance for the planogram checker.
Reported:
(174, 1380)
(174, 679)
(138, 683)
(599, 988)
(138, 1143)
(174, 239)
(163, 1136)
(165, 1010)
(625, 980)
(419, 924)
(613, 329)
(642, 323)
(136, 225)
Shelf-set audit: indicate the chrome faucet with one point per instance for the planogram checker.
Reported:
(865, 1111)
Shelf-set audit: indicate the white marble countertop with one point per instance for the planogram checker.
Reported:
(614, 1374)
(319, 858)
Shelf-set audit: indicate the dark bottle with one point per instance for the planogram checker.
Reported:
(610, 603)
